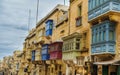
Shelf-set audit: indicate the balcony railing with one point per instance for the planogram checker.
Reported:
(103, 48)
(111, 5)
(56, 55)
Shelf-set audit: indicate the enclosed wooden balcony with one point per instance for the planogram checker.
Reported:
(56, 50)
(56, 55)
(44, 52)
(103, 38)
(71, 46)
(99, 8)
(45, 56)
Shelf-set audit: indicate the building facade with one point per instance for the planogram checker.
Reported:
(82, 39)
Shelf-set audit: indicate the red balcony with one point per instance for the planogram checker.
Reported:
(56, 46)
(56, 50)
(56, 55)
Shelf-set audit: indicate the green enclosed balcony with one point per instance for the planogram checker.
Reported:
(99, 8)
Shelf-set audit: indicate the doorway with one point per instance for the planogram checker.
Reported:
(104, 70)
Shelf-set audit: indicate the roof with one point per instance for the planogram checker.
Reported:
(58, 7)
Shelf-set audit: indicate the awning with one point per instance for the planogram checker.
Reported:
(112, 62)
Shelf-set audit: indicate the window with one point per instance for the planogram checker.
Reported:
(51, 25)
(47, 27)
(78, 21)
(97, 2)
(104, 35)
(111, 35)
(96, 37)
(79, 18)
(77, 46)
(34, 73)
(79, 10)
(56, 67)
(92, 38)
(89, 4)
(94, 3)
(100, 36)
(52, 70)
(17, 66)
(80, 61)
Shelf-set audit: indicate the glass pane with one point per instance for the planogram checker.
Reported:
(92, 38)
(104, 35)
(100, 36)
(77, 45)
(79, 10)
(111, 35)
(97, 37)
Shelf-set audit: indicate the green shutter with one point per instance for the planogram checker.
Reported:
(118, 70)
(104, 70)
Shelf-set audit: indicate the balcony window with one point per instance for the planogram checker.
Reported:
(104, 35)
(111, 35)
(101, 7)
(71, 44)
(92, 38)
(100, 36)
(80, 61)
(77, 46)
(49, 27)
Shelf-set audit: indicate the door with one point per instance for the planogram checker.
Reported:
(104, 70)
(118, 70)
(94, 72)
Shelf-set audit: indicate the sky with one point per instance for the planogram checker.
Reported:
(14, 21)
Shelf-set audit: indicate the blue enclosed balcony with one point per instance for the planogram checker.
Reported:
(99, 8)
(49, 27)
(103, 38)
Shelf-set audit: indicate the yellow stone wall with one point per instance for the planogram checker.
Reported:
(61, 30)
(85, 27)
(117, 36)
